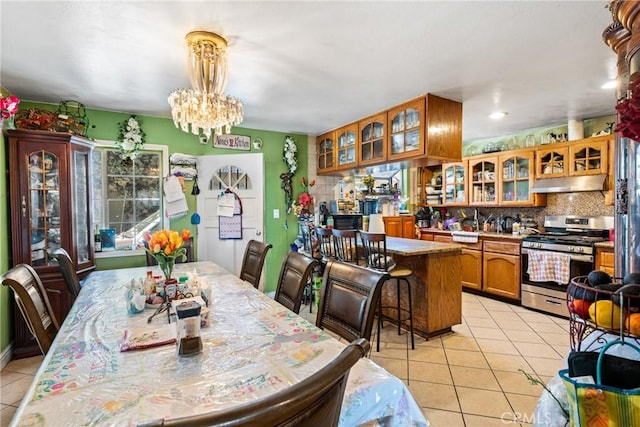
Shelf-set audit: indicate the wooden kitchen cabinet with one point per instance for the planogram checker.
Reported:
(551, 162)
(454, 184)
(589, 157)
(400, 226)
(471, 261)
(501, 269)
(605, 260)
(373, 140)
(346, 145)
(516, 172)
(405, 124)
(325, 144)
(49, 185)
(483, 179)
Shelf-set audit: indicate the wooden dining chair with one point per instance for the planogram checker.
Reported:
(374, 246)
(348, 299)
(345, 243)
(325, 244)
(68, 269)
(33, 302)
(188, 245)
(253, 261)
(314, 401)
(294, 277)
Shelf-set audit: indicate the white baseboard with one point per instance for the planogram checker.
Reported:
(6, 355)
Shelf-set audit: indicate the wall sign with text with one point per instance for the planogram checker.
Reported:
(234, 142)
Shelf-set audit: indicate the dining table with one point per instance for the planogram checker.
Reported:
(251, 347)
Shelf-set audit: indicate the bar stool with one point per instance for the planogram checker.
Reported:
(375, 253)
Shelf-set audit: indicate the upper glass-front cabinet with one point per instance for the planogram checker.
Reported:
(346, 150)
(325, 152)
(406, 129)
(454, 183)
(516, 171)
(589, 157)
(483, 179)
(373, 139)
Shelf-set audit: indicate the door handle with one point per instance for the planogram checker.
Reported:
(552, 302)
(258, 233)
(23, 206)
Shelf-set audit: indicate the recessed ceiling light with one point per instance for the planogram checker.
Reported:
(611, 84)
(497, 115)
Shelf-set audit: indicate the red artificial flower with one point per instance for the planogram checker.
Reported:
(9, 106)
(305, 200)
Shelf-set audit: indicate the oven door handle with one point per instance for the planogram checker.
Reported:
(573, 257)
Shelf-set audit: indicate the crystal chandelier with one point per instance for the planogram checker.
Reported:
(205, 108)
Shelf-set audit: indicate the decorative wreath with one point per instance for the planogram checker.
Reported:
(290, 152)
(130, 138)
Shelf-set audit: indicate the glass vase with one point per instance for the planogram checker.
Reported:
(166, 265)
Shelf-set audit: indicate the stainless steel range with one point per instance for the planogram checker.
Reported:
(570, 235)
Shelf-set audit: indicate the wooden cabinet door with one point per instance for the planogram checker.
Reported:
(442, 238)
(346, 145)
(516, 173)
(471, 261)
(393, 226)
(426, 236)
(372, 147)
(605, 261)
(552, 162)
(408, 227)
(501, 274)
(405, 124)
(326, 152)
(483, 179)
(454, 181)
(589, 157)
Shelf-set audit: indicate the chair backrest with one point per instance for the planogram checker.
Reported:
(33, 302)
(68, 269)
(294, 275)
(188, 245)
(374, 247)
(314, 401)
(348, 299)
(325, 243)
(305, 232)
(346, 245)
(253, 261)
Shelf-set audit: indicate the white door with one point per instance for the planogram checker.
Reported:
(244, 175)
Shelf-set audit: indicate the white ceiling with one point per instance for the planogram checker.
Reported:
(309, 67)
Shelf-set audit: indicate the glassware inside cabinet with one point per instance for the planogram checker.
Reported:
(397, 124)
(413, 118)
(44, 202)
(397, 143)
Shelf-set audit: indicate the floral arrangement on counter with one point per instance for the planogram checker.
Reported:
(629, 111)
(304, 207)
(165, 246)
(8, 108)
(368, 181)
(130, 138)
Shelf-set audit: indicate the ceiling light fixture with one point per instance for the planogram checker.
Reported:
(611, 84)
(497, 115)
(205, 108)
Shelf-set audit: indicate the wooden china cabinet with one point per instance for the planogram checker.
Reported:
(50, 198)
(326, 152)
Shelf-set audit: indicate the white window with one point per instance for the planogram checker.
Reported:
(127, 196)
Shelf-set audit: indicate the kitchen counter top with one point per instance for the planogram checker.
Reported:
(606, 244)
(486, 234)
(411, 247)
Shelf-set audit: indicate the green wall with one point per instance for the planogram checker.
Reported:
(104, 125)
(6, 309)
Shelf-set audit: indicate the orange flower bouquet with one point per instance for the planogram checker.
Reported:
(165, 246)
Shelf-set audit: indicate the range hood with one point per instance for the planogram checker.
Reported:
(569, 184)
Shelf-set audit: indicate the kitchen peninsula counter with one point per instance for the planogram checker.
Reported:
(436, 284)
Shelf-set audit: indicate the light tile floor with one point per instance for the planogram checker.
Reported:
(467, 378)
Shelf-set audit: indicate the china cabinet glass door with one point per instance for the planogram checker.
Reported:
(405, 126)
(372, 140)
(346, 150)
(44, 207)
(81, 219)
(325, 152)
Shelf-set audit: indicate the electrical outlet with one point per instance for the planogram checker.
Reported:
(276, 213)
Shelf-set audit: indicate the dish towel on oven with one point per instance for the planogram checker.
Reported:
(548, 267)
